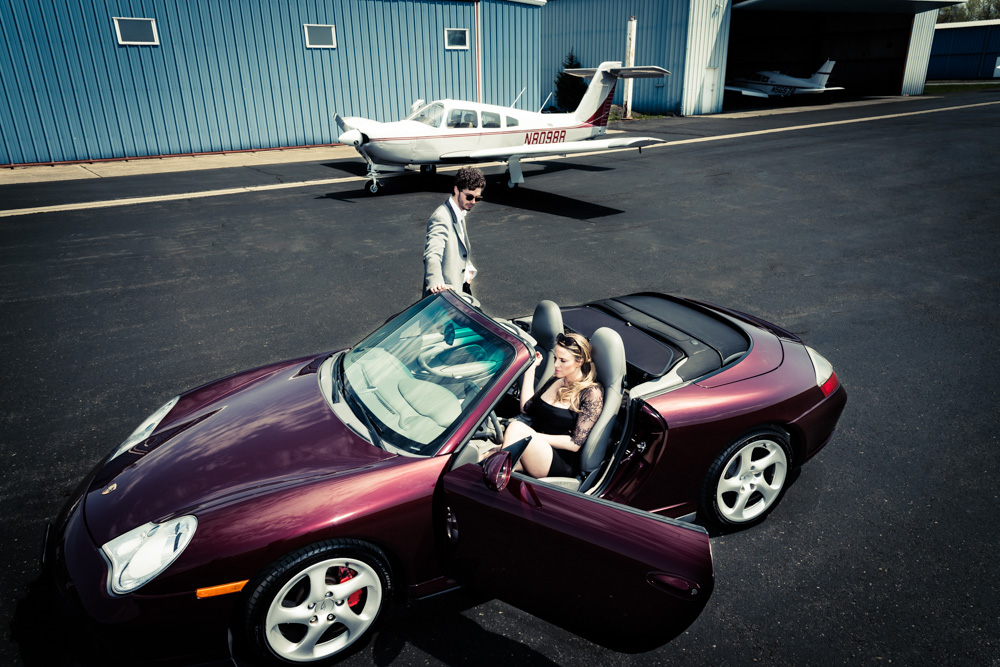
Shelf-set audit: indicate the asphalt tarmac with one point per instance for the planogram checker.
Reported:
(870, 229)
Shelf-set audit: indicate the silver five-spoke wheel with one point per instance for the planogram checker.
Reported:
(747, 479)
(316, 603)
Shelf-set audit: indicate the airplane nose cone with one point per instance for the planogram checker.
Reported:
(351, 138)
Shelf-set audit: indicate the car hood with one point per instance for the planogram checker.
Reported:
(248, 434)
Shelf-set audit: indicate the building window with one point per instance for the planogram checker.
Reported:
(136, 32)
(320, 36)
(456, 38)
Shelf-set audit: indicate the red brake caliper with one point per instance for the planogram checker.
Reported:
(343, 574)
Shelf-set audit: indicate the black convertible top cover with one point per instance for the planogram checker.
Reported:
(706, 338)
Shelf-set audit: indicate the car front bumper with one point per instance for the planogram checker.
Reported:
(136, 629)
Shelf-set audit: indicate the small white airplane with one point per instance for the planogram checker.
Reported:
(776, 84)
(455, 131)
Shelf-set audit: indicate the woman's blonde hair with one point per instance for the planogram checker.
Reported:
(579, 347)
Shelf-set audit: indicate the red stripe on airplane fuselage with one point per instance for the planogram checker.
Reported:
(600, 117)
(477, 135)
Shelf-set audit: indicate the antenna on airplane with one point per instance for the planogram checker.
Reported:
(545, 102)
(518, 97)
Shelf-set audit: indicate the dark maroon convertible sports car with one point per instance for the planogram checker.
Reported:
(277, 513)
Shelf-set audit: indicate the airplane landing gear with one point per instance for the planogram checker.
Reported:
(513, 173)
(428, 169)
(373, 186)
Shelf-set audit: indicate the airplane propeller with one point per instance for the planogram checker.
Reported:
(352, 138)
(349, 135)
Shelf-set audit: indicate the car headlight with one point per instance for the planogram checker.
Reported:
(145, 428)
(144, 552)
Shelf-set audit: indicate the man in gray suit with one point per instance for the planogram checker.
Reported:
(447, 253)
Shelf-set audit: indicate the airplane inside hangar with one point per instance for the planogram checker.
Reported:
(881, 46)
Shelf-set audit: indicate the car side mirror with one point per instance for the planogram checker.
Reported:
(497, 469)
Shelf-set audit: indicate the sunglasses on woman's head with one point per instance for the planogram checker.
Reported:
(566, 341)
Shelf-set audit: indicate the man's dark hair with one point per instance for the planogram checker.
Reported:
(469, 178)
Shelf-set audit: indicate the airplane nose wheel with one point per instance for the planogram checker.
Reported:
(373, 187)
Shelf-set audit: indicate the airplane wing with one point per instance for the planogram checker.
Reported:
(747, 91)
(569, 147)
(640, 72)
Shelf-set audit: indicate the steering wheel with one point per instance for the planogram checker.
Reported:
(496, 437)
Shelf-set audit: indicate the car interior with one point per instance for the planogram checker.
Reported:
(635, 350)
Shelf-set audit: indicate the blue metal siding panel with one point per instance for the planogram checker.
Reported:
(510, 34)
(968, 52)
(596, 32)
(236, 75)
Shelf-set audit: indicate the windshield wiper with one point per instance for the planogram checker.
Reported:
(360, 411)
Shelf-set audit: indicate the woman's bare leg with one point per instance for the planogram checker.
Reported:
(537, 458)
(515, 431)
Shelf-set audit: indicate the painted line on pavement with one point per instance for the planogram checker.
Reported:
(132, 201)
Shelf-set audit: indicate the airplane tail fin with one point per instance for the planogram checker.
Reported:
(822, 75)
(595, 107)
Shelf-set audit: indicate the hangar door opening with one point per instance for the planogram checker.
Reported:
(870, 50)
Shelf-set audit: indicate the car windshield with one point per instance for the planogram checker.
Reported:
(416, 378)
(430, 114)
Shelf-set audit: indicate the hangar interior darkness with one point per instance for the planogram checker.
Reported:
(870, 49)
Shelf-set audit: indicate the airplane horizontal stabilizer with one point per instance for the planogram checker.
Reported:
(641, 72)
(817, 90)
(747, 91)
(569, 147)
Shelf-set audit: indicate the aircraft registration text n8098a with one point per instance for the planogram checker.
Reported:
(550, 137)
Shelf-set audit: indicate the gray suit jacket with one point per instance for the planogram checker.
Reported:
(445, 254)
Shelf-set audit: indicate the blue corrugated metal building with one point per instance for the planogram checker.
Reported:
(687, 37)
(84, 80)
(966, 51)
(209, 75)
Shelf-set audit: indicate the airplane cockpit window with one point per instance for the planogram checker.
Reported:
(491, 120)
(511, 122)
(428, 115)
(463, 119)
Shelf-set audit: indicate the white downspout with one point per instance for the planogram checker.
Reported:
(629, 62)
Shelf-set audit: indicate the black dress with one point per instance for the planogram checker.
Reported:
(553, 420)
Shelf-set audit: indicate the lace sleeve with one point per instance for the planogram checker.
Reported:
(591, 403)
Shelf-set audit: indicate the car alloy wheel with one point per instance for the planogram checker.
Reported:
(747, 479)
(318, 602)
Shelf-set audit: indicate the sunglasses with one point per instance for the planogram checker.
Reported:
(471, 197)
(566, 341)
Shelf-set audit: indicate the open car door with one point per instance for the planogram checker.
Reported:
(617, 576)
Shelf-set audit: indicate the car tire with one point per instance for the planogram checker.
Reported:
(304, 608)
(747, 479)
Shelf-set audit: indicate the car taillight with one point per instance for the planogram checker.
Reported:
(826, 379)
(830, 385)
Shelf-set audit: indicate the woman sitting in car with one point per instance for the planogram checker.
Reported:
(562, 412)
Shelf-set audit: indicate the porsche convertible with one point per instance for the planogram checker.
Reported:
(275, 515)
